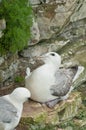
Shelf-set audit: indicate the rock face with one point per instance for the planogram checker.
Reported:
(62, 111)
(62, 28)
(35, 35)
(8, 64)
(8, 67)
(39, 114)
(59, 22)
(52, 15)
(58, 25)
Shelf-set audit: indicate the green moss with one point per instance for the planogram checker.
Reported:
(42, 127)
(32, 125)
(18, 16)
(82, 113)
(19, 79)
(81, 120)
(71, 124)
(26, 121)
(40, 118)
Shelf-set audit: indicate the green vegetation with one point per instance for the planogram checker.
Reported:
(76, 123)
(18, 16)
(72, 125)
(19, 79)
(42, 127)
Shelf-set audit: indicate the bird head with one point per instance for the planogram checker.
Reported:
(20, 94)
(51, 57)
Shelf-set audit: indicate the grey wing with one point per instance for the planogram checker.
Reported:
(7, 111)
(63, 78)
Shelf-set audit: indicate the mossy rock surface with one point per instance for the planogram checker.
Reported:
(36, 113)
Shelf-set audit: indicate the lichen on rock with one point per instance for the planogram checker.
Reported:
(35, 113)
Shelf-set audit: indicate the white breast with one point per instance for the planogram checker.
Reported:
(39, 84)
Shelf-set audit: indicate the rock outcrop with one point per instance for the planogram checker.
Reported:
(58, 25)
(35, 113)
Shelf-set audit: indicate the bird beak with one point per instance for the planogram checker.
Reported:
(42, 57)
(39, 57)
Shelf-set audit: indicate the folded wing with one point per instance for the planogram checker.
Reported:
(64, 79)
(7, 111)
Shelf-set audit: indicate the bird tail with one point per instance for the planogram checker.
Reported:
(79, 71)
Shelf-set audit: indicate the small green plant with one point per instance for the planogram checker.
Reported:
(18, 16)
(19, 79)
(42, 127)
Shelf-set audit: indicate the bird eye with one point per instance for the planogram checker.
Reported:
(52, 54)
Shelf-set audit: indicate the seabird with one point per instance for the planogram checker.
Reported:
(49, 83)
(11, 108)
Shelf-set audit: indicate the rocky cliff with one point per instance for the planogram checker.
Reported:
(58, 25)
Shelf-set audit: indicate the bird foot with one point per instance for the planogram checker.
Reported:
(52, 103)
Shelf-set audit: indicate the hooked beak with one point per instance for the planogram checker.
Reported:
(42, 57)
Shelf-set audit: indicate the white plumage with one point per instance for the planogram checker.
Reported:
(48, 83)
(11, 108)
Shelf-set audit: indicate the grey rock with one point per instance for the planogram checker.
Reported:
(9, 71)
(52, 15)
(35, 34)
(34, 2)
(1, 60)
(80, 11)
(34, 51)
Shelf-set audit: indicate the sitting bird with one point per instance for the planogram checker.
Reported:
(11, 107)
(49, 83)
